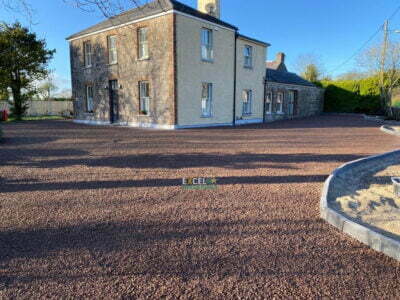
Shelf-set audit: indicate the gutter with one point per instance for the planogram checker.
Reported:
(265, 90)
(234, 79)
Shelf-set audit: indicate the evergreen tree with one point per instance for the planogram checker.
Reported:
(23, 60)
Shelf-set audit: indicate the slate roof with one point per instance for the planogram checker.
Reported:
(147, 10)
(286, 77)
(254, 40)
(272, 65)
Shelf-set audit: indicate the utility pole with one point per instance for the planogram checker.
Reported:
(383, 62)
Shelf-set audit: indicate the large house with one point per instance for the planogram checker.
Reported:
(167, 65)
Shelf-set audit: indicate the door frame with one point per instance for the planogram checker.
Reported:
(113, 100)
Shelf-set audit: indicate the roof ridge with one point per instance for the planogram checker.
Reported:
(147, 10)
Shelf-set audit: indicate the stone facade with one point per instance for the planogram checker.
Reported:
(301, 98)
(308, 101)
(158, 70)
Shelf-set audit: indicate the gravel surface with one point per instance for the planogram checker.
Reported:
(371, 200)
(99, 212)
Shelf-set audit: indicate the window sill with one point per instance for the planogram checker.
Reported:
(248, 67)
(210, 61)
(143, 115)
(143, 59)
(112, 64)
(280, 113)
(269, 113)
(87, 67)
(247, 115)
(206, 117)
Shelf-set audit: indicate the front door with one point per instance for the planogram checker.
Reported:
(114, 107)
(292, 103)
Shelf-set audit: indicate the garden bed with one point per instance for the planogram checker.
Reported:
(371, 200)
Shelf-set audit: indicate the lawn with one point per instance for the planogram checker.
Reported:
(35, 118)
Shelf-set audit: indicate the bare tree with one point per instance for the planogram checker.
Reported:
(352, 75)
(309, 64)
(46, 89)
(107, 8)
(387, 69)
(21, 7)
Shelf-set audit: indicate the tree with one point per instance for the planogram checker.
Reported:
(23, 60)
(46, 89)
(352, 75)
(311, 73)
(310, 67)
(21, 7)
(3, 94)
(387, 70)
(108, 8)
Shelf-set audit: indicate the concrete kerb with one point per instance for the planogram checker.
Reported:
(362, 233)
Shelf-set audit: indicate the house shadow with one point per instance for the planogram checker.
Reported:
(175, 161)
(13, 186)
(186, 250)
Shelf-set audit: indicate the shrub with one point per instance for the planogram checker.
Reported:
(352, 96)
(61, 99)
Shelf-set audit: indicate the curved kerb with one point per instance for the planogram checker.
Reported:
(366, 235)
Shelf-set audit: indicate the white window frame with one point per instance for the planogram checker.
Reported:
(89, 98)
(144, 97)
(248, 56)
(143, 43)
(87, 53)
(247, 98)
(206, 100)
(268, 102)
(112, 49)
(207, 44)
(279, 100)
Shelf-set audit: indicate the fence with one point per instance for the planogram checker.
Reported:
(42, 108)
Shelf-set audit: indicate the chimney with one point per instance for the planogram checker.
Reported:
(210, 7)
(280, 58)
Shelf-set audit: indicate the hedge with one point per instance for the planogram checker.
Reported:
(352, 96)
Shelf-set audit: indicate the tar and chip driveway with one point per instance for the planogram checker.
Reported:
(100, 211)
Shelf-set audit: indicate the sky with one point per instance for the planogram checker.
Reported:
(331, 30)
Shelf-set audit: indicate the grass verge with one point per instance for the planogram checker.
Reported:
(38, 118)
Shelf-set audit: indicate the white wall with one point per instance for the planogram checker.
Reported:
(41, 108)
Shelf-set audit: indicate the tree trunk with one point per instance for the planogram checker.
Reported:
(386, 102)
(18, 110)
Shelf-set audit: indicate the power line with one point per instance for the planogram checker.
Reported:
(395, 13)
(358, 51)
(366, 43)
